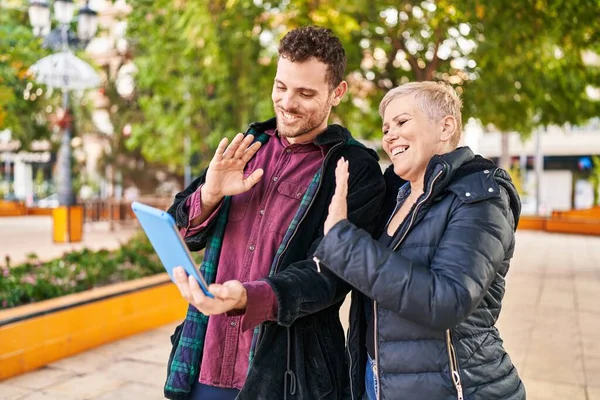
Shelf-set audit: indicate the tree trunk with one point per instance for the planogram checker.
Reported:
(504, 152)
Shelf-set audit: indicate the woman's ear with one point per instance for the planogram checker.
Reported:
(449, 127)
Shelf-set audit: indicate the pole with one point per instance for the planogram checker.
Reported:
(7, 174)
(539, 169)
(65, 187)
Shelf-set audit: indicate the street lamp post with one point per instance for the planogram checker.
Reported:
(64, 70)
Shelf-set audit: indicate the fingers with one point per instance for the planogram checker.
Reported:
(341, 179)
(196, 292)
(230, 152)
(251, 151)
(253, 179)
(220, 149)
(181, 280)
(243, 146)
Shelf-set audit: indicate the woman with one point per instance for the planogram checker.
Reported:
(431, 285)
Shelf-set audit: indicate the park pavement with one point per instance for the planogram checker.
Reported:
(20, 236)
(550, 322)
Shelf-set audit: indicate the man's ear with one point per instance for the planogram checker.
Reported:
(339, 92)
(449, 127)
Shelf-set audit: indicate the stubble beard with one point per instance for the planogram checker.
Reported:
(306, 127)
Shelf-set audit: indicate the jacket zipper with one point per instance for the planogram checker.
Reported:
(454, 366)
(412, 220)
(349, 366)
(327, 157)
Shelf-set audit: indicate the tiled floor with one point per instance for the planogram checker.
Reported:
(20, 236)
(550, 323)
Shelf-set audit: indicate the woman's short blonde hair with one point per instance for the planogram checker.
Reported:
(435, 99)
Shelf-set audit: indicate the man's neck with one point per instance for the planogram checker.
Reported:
(309, 137)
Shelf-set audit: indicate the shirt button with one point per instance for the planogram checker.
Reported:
(233, 323)
(251, 247)
(288, 151)
(262, 212)
(275, 179)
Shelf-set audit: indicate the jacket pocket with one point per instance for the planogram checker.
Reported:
(239, 204)
(318, 370)
(291, 191)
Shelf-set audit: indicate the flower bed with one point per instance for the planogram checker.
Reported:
(59, 308)
(75, 272)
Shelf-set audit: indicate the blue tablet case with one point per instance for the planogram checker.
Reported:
(164, 235)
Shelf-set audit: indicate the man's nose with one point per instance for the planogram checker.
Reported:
(288, 101)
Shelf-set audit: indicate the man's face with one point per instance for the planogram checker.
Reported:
(303, 99)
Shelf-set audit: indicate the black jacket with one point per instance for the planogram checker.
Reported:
(437, 290)
(301, 356)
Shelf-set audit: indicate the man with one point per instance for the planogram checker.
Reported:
(274, 330)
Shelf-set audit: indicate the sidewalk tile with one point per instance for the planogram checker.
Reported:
(41, 395)
(132, 390)
(544, 390)
(10, 392)
(42, 378)
(85, 387)
(146, 373)
(593, 393)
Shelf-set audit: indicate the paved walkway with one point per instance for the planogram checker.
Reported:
(550, 323)
(20, 236)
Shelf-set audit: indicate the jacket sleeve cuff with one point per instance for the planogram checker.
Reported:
(261, 304)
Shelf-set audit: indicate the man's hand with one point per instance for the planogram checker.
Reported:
(338, 208)
(231, 295)
(225, 174)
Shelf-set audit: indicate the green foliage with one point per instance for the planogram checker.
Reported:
(22, 102)
(201, 74)
(206, 67)
(77, 271)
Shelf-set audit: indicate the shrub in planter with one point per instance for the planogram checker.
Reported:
(76, 272)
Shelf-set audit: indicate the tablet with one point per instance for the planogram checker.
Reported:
(164, 235)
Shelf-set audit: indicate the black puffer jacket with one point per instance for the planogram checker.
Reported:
(438, 289)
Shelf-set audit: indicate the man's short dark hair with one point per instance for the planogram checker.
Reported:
(300, 44)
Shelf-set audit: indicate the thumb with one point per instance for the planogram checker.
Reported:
(217, 290)
(253, 179)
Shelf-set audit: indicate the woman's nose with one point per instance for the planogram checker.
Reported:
(390, 136)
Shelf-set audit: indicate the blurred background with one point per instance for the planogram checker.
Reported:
(106, 102)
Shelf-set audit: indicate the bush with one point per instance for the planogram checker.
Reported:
(75, 272)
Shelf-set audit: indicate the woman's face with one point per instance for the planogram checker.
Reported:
(410, 139)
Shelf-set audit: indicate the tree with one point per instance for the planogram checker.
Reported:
(22, 102)
(204, 74)
(517, 64)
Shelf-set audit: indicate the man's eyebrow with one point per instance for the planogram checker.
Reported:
(300, 89)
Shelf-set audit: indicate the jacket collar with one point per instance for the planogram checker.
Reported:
(332, 135)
